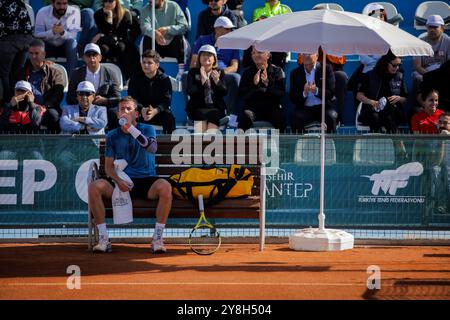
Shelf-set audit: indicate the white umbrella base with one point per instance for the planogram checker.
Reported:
(314, 239)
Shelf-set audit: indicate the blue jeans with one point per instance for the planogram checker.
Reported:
(88, 29)
(68, 50)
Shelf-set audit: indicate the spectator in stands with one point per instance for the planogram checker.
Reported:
(368, 62)
(87, 23)
(306, 94)
(383, 94)
(47, 83)
(15, 35)
(228, 60)
(152, 89)
(262, 87)
(237, 8)
(58, 25)
(129, 4)
(426, 121)
(114, 24)
(21, 114)
(171, 25)
(207, 17)
(136, 143)
(206, 89)
(440, 42)
(84, 117)
(106, 83)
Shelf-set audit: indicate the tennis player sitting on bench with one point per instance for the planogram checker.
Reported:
(136, 143)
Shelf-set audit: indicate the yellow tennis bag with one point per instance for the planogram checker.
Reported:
(214, 184)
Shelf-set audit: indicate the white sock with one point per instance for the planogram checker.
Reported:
(102, 230)
(159, 229)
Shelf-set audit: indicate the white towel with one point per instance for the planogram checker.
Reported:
(121, 201)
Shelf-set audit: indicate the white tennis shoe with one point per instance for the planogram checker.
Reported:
(158, 247)
(103, 245)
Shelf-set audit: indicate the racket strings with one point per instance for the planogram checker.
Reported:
(204, 240)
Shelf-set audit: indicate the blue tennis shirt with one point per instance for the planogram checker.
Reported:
(120, 145)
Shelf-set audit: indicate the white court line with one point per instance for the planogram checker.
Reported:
(186, 284)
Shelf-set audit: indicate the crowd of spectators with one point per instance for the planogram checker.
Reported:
(217, 83)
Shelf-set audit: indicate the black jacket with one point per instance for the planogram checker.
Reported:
(156, 91)
(196, 91)
(298, 80)
(205, 21)
(259, 96)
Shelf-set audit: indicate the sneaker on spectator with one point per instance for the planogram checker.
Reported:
(158, 247)
(103, 245)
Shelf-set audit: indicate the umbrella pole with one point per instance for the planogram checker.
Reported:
(153, 25)
(322, 148)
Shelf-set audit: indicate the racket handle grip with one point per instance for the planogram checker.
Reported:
(200, 202)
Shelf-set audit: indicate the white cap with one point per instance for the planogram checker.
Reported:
(224, 22)
(374, 7)
(85, 86)
(23, 85)
(435, 20)
(207, 48)
(92, 47)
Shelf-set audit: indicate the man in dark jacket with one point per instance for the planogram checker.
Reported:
(262, 87)
(207, 17)
(152, 88)
(47, 83)
(105, 80)
(306, 94)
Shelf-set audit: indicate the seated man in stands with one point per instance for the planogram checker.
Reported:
(262, 87)
(87, 23)
(136, 143)
(58, 25)
(171, 25)
(228, 60)
(440, 42)
(306, 94)
(21, 114)
(152, 88)
(84, 117)
(47, 83)
(207, 17)
(105, 81)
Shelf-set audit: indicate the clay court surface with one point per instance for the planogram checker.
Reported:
(38, 271)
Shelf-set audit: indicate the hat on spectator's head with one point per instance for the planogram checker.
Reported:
(224, 22)
(374, 7)
(92, 47)
(207, 48)
(435, 20)
(23, 85)
(86, 86)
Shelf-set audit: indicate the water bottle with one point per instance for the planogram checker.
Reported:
(382, 103)
(122, 122)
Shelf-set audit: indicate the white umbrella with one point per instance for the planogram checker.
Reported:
(337, 33)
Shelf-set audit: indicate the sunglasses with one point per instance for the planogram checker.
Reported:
(395, 65)
(214, 0)
(444, 122)
(108, 1)
(84, 93)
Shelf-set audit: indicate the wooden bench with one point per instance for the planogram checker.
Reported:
(252, 207)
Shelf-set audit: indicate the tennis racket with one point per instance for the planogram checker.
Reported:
(204, 239)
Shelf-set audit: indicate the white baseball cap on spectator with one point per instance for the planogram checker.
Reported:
(86, 86)
(23, 85)
(374, 7)
(224, 22)
(207, 48)
(92, 47)
(435, 20)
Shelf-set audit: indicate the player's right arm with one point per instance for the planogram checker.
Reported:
(111, 172)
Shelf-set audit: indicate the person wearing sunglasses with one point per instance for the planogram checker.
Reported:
(383, 94)
(85, 117)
